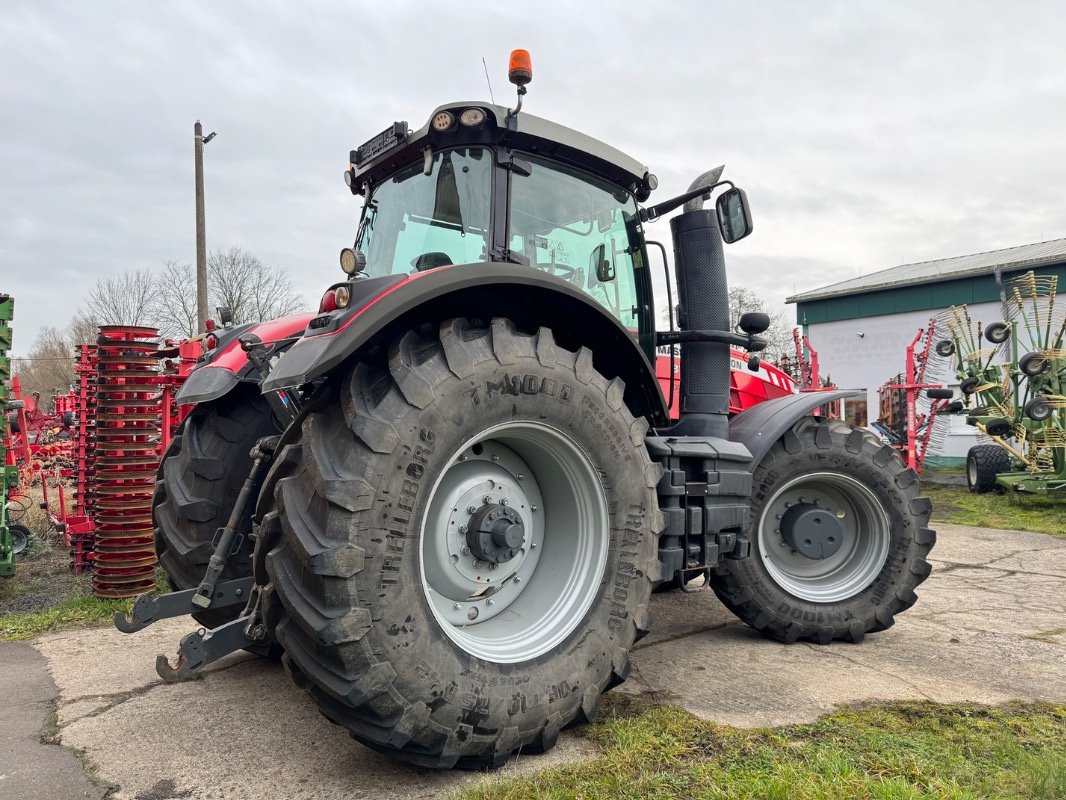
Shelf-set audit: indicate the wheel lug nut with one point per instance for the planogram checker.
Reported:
(517, 579)
(464, 528)
(490, 602)
(465, 551)
(532, 508)
(457, 607)
(487, 499)
(533, 546)
(496, 459)
(503, 501)
(520, 476)
(471, 509)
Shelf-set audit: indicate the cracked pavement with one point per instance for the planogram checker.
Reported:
(990, 626)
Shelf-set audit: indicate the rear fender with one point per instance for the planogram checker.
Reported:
(222, 369)
(527, 296)
(762, 425)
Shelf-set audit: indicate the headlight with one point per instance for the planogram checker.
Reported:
(442, 121)
(349, 261)
(472, 117)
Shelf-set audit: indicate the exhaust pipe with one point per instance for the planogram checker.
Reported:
(703, 297)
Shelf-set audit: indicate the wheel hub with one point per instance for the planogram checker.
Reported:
(811, 530)
(495, 533)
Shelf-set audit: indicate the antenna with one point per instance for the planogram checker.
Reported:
(489, 82)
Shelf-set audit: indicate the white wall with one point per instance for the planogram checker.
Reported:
(867, 361)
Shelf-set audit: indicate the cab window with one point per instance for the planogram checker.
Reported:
(414, 222)
(581, 229)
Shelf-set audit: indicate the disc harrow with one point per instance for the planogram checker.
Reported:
(128, 421)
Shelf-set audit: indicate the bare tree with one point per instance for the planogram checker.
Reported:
(126, 299)
(251, 290)
(83, 329)
(49, 365)
(778, 335)
(174, 311)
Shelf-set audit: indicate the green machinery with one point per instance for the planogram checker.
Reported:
(8, 473)
(1012, 374)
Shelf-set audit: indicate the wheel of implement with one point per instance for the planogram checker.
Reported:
(939, 394)
(1038, 408)
(954, 407)
(945, 347)
(838, 538)
(983, 463)
(998, 427)
(969, 385)
(197, 484)
(460, 544)
(1034, 363)
(20, 538)
(997, 332)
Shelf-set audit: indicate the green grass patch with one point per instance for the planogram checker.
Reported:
(1016, 512)
(71, 612)
(903, 750)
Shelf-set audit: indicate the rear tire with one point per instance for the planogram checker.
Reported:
(819, 473)
(198, 481)
(983, 463)
(389, 613)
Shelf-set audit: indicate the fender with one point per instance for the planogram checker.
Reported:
(222, 369)
(762, 425)
(480, 291)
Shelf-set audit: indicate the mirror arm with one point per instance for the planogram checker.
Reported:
(656, 211)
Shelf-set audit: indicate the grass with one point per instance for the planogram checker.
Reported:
(903, 750)
(1038, 513)
(77, 611)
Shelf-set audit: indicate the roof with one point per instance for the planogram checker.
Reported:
(1010, 259)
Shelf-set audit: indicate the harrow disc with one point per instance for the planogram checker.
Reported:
(127, 449)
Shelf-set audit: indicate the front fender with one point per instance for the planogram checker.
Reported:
(224, 368)
(528, 296)
(762, 425)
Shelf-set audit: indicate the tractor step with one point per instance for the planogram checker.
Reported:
(149, 608)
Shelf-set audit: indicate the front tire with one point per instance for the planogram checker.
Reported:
(450, 647)
(983, 463)
(838, 538)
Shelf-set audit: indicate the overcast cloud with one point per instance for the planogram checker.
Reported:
(867, 134)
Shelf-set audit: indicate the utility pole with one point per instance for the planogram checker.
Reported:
(201, 235)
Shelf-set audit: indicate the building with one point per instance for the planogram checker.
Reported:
(862, 327)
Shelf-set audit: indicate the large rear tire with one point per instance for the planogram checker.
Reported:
(838, 538)
(198, 481)
(461, 543)
(983, 463)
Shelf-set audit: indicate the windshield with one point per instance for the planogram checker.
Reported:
(414, 221)
(582, 229)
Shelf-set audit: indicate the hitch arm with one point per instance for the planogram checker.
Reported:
(205, 592)
(149, 608)
(200, 648)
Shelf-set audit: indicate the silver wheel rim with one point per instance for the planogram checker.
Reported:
(971, 471)
(19, 542)
(865, 529)
(527, 605)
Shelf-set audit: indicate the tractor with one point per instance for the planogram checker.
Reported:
(446, 497)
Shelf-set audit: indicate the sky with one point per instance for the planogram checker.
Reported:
(866, 134)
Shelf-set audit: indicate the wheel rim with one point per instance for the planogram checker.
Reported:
(860, 555)
(19, 541)
(529, 603)
(971, 471)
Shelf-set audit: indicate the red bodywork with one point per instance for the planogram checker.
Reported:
(746, 388)
(234, 359)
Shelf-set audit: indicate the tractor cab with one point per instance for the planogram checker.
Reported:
(478, 184)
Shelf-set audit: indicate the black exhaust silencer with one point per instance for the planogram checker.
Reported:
(703, 296)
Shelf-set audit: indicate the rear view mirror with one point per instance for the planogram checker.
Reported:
(734, 216)
(600, 265)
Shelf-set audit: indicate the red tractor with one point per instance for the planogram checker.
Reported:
(445, 498)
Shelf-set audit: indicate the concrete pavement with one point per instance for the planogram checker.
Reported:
(990, 626)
